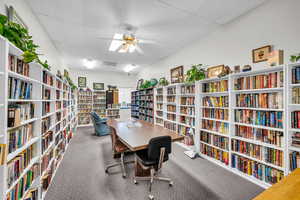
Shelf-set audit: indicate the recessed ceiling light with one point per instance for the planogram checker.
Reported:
(89, 63)
(129, 68)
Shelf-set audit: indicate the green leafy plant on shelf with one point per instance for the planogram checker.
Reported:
(295, 58)
(19, 36)
(163, 82)
(71, 83)
(146, 84)
(196, 73)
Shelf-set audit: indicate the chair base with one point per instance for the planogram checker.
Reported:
(120, 163)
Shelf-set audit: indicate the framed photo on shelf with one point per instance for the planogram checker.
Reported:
(213, 72)
(82, 82)
(261, 54)
(98, 86)
(177, 75)
(139, 84)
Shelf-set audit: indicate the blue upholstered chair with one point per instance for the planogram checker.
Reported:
(100, 125)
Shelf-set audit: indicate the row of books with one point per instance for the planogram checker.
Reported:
(187, 89)
(187, 120)
(171, 117)
(17, 65)
(23, 186)
(19, 137)
(296, 75)
(159, 106)
(16, 166)
(270, 80)
(296, 139)
(58, 105)
(46, 108)
(187, 110)
(47, 140)
(159, 98)
(215, 153)
(216, 140)
(159, 91)
(171, 108)
(187, 100)
(47, 78)
(146, 104)
(215, 113)
(294, 160)
(296, 95)
(159, 121)
(146, 111)
(216, 126)
(183, 130)
(295, 119)
(19, 112)
(266, 154)
(171, 90)
(169, 125)
(46, 94)
(171, 99)
(146, 98)
(262, 135)
(19, 89)
(159, 113)
(187, 140)
(221, 101)
(146, 118)
(46, 160)
(260, 100)
(256, 169)
(262, 118)
(217, 86)
(46, 123)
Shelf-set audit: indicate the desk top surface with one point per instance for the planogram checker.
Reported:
(287, 189)
(135, 134)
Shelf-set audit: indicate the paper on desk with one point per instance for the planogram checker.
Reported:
(134, 124)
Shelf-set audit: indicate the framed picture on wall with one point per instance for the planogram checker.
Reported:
(82, 82)
(98, 86)
(261, 54)
(177, 75)
(214, 71)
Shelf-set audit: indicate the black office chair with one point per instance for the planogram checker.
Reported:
(152, 158)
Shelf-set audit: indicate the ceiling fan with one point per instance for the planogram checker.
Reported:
(127, 42)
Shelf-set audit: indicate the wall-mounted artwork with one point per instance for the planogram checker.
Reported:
(261, 54)
(82, 82)
(98, 86)
(177, 75)
(214, 71)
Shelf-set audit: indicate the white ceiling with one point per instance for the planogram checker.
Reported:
(76, 25)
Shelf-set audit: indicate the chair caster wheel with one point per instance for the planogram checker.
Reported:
(151, 197)
(124, 176)
(106, 171)
(135, 182)
(171, 183)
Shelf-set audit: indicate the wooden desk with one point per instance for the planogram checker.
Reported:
(137, 138)
(287, 189)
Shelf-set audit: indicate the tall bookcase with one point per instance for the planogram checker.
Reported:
(142, 104)
(40, 107)
(112, 103)
(174, 109)
(245, 122)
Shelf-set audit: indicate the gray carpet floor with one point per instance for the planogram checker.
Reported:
(81, 176)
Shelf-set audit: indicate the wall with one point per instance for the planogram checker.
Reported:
(40, 36)
(275, 22)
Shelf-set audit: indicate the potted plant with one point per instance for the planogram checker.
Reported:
(196, 73)
(163, 82)
(295, 58)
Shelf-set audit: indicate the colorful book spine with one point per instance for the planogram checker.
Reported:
(187, 110)
(216, 126)
(171, 90)
(295, 119)
(256, 169)
(262, 135)
(294, 160)
(47, 78)
(187, 100)
(19, 137)
(296, 75)
(19, 89)
(262, 118)
(217, 86)
(215, 113)
(18, 113)
(169, 125)
(17, 65)
(187, 120)
(215, 153)
(263, 81)
(216, 140)
(47, 139)
(221, 101)
(260, 100)
(187, 89)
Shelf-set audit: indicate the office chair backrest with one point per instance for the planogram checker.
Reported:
(155, 144)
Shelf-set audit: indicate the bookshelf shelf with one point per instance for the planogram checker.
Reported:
(10, 156)
(43, 92)
(32, 162)
(261, 109)
(214, 119)
(213, 146)
(258, 126)
(292, 148)
(263, 90)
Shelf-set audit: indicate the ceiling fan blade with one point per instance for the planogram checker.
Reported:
(141, 41)
(139, 50)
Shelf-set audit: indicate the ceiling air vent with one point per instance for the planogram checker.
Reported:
(110, 63)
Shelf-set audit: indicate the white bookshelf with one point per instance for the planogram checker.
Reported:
(68, 112)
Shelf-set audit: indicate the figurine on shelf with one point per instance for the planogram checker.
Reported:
(247, 68)
(237, 69)
(226, 70)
